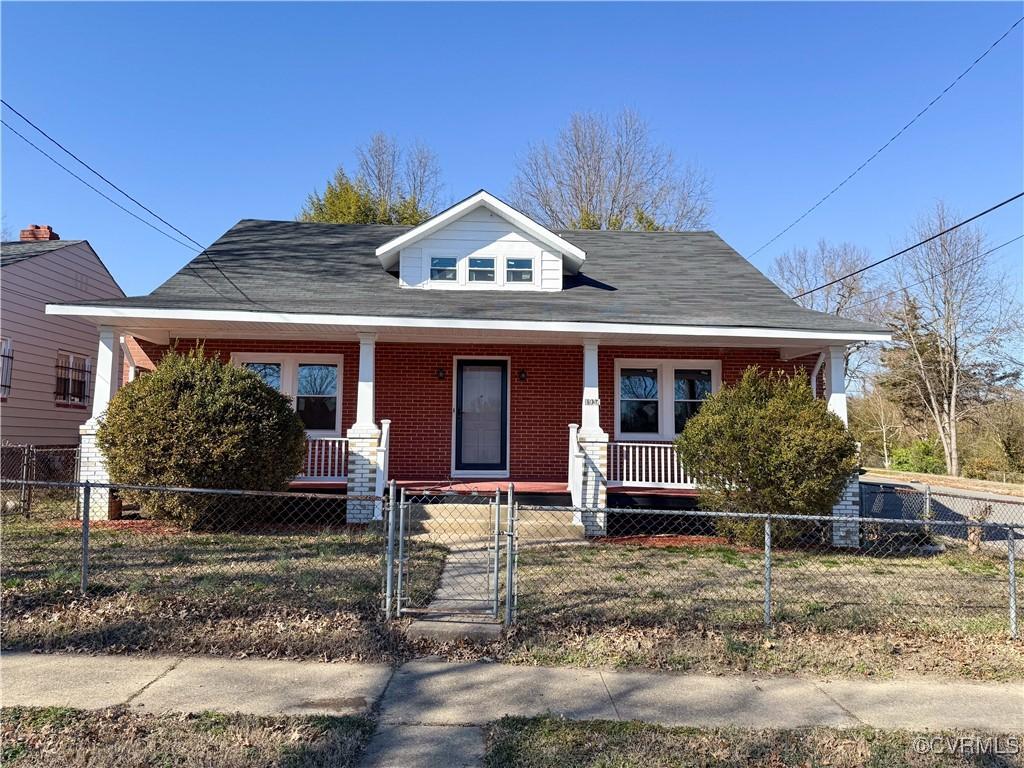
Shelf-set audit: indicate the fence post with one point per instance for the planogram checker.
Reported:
(85, 536)
(1012, 562)
(509, 549)
(496, 607)
(400, 587)
(23, 495)
(389, 573)
(768, 571)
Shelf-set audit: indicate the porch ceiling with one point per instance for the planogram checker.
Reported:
(160, 326)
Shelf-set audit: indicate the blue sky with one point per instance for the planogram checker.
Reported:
(210, 113)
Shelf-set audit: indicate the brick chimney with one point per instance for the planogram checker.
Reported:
(39, 232)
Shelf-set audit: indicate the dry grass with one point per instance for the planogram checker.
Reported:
(287, 593)
(119, 738)
(948, 481)
(547, 742)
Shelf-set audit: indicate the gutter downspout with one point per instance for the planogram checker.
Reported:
(132, 366)
(814, 375)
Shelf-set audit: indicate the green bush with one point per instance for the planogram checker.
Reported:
(922, 456)
(766, 445)
(197, 422)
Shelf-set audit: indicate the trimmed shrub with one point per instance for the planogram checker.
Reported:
(767, 445)
(922, 456)
(197, 422)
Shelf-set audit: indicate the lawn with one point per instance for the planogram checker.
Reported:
(548, 742)
(120, 738)
(700, 607)
(302, 591)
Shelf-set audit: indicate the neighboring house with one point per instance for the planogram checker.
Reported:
(47, 381)
(481, 348)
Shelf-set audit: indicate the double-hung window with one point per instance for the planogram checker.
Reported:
(73, 376)
(481, 270)
(444, 269)
(312, 382)
(6, 367)
(519, 271)
(655, 398)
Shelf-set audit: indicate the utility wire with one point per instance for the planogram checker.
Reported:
(94, 189)
(148, 210)
(1007, 201)
(958, 264)
(895, 136)
(200, 248)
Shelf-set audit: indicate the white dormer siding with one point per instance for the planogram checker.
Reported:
(481, 234)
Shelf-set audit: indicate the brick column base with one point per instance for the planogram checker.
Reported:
(846, 533)
(595, 484)
(93, 468)
(362, 474)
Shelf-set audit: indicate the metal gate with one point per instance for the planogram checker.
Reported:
(451, 554)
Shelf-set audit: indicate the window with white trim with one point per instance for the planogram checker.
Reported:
(312, 382)
(519, 270)
(73, 376)
(655, 398)
(481, 269)
(444, 269)
(6, 367)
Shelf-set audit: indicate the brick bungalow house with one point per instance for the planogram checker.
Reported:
(479, 347)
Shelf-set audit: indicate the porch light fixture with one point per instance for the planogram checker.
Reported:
(522, 374)
(441, 373)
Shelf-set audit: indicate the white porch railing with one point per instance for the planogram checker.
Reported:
(382, 457)
(646, 465)
(326, 460)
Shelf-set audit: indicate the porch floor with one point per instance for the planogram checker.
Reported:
(484, 486)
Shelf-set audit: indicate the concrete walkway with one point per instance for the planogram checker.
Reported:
(431, 711)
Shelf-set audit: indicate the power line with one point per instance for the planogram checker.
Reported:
(1007, 201)
(963, 263)
(895, 136)
(201, 249)
(148, 210)
(106, 197)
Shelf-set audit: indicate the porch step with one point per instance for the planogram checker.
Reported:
(476, 521)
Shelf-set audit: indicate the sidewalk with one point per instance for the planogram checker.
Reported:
(432, 709)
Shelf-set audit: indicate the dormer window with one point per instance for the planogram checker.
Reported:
(519, 271)
(481, 270)
(444, 268)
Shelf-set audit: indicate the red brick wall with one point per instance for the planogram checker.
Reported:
(420, 406)
(541, 408)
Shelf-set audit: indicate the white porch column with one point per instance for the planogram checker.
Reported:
(835, 381)
(363, 438)
(593, 443)
(845, 533)
(107, 374)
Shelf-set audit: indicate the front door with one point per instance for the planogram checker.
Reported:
(481, 416)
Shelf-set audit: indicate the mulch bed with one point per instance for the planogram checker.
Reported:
(664, 541)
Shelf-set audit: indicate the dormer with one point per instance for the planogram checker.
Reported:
(481, 243)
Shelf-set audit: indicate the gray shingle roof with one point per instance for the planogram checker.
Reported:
(666, 278)
(16, 250)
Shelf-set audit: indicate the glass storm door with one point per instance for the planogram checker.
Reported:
(481, 415)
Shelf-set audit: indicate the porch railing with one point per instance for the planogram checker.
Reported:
(646, 465)
(326, 460)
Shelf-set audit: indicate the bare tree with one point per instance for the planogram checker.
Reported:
(422, 176)
(877, 417)
(950, 331)
(602, 173)
(861, 297)
(378, 169)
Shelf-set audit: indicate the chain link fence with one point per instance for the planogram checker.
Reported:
(180, 569)
(26, 463)
(285, 574)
